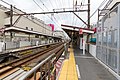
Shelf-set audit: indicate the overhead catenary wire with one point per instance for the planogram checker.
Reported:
(40, 8)
(69, 2)
(68, 15)
(81, 3)
(57, 7)
(38, 5)
(64, 15)
(60, 18)
(103, 2)
(73, 15)
(74, 8)
(98, 7)
(78, 14)
(81, 7)
(51, 3)
(43, 10)
(44, 5)
(53, 10)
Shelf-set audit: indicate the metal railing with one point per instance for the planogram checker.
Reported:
(38, 68)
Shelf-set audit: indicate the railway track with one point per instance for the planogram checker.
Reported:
(14, 66)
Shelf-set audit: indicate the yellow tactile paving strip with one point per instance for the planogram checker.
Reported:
(69, 71)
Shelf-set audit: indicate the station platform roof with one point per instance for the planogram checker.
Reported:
(28, 31)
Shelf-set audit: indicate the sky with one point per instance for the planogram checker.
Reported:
(30, 6)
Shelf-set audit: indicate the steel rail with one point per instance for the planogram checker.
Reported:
(37, 67)
(10, 63)
(22, 61)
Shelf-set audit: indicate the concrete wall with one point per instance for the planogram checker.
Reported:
(24, 22)
(2, 17)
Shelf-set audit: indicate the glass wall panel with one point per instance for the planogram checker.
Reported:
(109, 39)
(104, 36)
(99, 52)
(112, 59)
(115, 38)
(99, 39)
(104, 55)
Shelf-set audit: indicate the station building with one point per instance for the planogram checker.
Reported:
(26, 30)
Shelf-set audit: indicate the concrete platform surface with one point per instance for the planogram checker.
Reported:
(89, 68)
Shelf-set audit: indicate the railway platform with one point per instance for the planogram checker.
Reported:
(68, 71)
(83, 67)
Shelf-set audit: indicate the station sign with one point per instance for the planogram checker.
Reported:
(81, 31)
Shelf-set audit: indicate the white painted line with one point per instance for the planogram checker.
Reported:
(83, 57)
(78, 72)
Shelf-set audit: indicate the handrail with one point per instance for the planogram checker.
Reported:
(35, 68)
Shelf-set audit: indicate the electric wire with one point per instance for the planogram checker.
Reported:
(97, 9)
(37, 4)
(57, 15)
(68, 15)
(73, 14)
(51, 3)
(78, 14)
(44, 5)
(70, 21)
(43, 10)
(64, 15)
(82, 2)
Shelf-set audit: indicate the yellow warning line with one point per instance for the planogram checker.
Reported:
(69, 71)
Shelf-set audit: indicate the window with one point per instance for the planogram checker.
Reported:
(27, 28)
(31, 29)
(36, 36)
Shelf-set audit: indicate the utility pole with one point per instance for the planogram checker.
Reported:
(88, 23)
(88, 13)
(11, 21)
